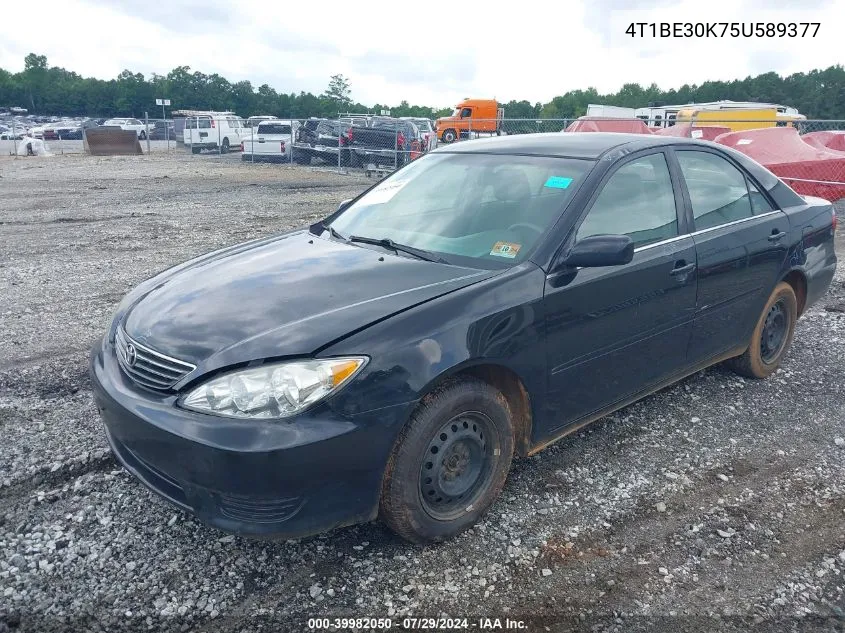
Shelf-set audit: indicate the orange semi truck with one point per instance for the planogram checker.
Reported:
(470, 116)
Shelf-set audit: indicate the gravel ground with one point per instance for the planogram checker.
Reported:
(717, 504)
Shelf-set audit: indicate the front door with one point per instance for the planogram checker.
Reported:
(613, 332)
(741, 247)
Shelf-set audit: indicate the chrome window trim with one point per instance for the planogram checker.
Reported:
(721, 226)
(668, 240)
(702, 231)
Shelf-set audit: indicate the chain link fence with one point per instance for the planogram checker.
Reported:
(67, 136)
(808, 154)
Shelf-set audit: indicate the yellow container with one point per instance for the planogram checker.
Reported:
(739, 119)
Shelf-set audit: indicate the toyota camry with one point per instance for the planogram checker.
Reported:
(391, 360)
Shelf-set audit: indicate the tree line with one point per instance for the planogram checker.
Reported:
(50, 90)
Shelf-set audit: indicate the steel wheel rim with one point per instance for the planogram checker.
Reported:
(773, 336)
(457, 465)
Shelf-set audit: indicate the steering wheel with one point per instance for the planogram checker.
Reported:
(533, 227)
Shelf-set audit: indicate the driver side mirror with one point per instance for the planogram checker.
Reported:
(344, 204)
(600, 250)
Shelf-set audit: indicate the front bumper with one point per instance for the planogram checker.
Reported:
(283, 479)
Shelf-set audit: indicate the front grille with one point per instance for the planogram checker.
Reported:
(148, 367)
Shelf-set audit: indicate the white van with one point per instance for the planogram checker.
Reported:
(220, 131)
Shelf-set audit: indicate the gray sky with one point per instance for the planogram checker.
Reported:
(433, 55)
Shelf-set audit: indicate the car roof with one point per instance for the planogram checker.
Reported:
(588, 145)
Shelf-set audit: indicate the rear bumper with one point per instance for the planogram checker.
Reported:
(270, 479)
(266, 158)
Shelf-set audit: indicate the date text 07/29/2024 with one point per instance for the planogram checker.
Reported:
(417, 623)
(723, 29)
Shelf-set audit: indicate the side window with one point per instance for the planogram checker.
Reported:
(637, 201)
(718, 191)
(759, 204)
(466, 112)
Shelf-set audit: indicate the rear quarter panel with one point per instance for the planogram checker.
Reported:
(813, 251)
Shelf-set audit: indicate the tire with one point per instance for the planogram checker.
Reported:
(449, 136)
(302, 159)
(772, 335)
(142, 136)
(467, 423)
(196, 150)
(224, 146)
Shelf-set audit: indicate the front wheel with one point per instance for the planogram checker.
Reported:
(224, 147)
(449, 463)
(449, 136)
(771, 337)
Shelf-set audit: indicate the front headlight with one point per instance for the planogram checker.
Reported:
(277, 390)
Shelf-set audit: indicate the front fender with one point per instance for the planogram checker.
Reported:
(496, 321)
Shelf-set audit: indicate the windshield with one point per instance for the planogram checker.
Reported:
(456, 113)
(482, 210)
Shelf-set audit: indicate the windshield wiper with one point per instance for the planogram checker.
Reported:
(389, 243)
(328, 227)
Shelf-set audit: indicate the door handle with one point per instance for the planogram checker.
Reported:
(776, 236)
(682, 269)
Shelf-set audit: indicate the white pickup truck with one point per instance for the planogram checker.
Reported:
(270, 141)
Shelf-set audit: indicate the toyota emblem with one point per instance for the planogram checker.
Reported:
(131, 355)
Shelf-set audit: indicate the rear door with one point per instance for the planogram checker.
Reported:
(615, 331)
(740, 245)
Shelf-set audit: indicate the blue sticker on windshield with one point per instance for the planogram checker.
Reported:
(558, 182)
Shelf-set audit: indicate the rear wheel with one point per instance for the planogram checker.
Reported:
(142, 135)
(196, 150)
(449, 463)
(224, 146)
(771, 337)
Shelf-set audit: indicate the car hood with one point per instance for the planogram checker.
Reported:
(286, 296)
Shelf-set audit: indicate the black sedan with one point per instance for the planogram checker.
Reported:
(484, 301)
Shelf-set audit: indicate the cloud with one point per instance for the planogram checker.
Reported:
(426, 56)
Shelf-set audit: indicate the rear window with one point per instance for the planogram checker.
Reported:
(273, 128)
(327, 127)
(203, 123)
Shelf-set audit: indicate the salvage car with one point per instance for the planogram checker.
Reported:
(137, 126)
(482, 302)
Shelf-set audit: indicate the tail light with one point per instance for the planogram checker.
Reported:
(835, 220)
(213, 125)
(282, 149)
(242, 146)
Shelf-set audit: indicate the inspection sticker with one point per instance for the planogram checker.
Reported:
(505, 249)
(558, 182)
